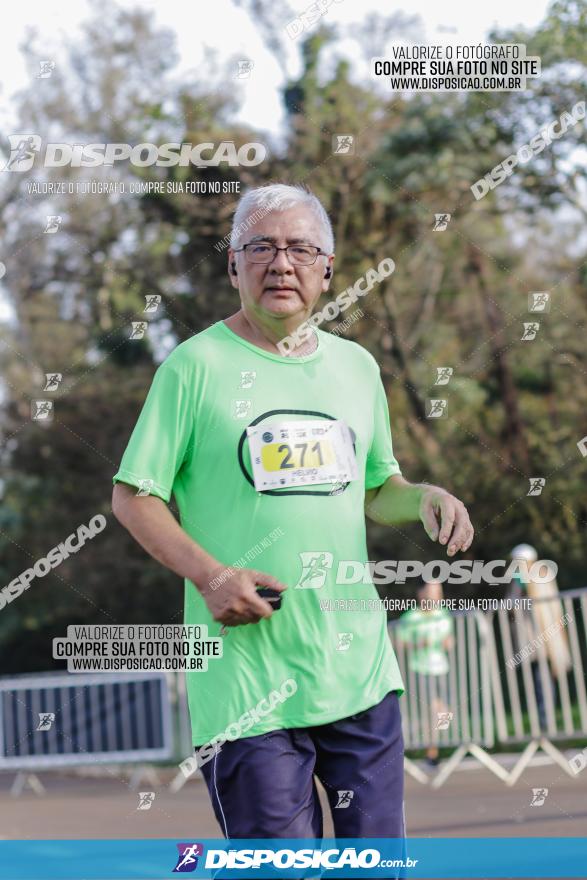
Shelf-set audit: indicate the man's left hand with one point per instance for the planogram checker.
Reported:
(445, 518)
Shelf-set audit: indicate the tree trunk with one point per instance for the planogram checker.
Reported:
(515, 446)
(419, 424)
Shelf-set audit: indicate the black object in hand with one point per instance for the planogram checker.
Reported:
(271, 596)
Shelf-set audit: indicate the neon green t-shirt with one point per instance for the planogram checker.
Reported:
(426, 632)
(191, 440)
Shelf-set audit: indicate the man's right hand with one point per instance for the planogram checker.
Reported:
(230, 594)
(232, 598)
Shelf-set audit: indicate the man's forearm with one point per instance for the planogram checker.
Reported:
(151, 523)
(444, 517)
(396, 501)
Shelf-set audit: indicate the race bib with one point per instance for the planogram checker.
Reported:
(301, 453)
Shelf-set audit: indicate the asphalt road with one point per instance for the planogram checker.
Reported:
(472, 803)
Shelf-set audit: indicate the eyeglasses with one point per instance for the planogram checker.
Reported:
(297, 254)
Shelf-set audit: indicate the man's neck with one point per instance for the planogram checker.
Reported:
(266, 337)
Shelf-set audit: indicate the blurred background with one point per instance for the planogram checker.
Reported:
(458, 297)
(236, 70)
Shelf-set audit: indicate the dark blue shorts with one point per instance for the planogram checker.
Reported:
(264, 786)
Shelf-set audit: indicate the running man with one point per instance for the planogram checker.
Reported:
(241, 463)
(428, 634)
(24, 150)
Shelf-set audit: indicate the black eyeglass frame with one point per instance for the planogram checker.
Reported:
(319, 252)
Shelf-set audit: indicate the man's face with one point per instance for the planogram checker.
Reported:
(281, 289)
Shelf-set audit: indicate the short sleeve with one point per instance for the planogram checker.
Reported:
(161, 437)
(381, 462)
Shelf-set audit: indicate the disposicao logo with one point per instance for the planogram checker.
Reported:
(187, 860)
(24, 149)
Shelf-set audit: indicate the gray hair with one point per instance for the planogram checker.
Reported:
(257, 203)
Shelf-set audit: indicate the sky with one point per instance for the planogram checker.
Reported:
(231, 31)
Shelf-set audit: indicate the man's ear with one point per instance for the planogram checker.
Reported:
(328, 270)
(232, 270)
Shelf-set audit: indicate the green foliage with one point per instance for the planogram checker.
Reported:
(457, 298)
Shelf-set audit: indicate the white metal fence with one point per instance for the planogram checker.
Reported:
(514, 677)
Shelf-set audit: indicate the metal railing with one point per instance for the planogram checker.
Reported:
(50, 721)
(514, 677)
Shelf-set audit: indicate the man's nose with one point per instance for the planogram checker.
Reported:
(280, 263)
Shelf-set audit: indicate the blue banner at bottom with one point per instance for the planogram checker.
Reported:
(486, 857)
